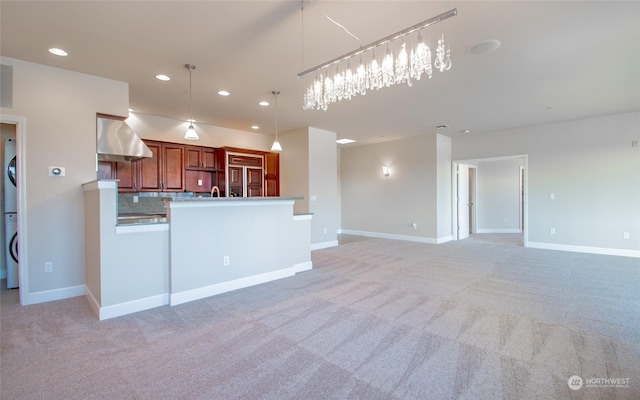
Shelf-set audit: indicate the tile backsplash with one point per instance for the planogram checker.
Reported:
(145, 204)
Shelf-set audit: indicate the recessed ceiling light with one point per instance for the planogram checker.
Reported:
(162, 77)
(223, 93)
(486, 46)
(442, 126)
(465, 131)
(345, 141)
(255, 127)
(58, 52)
(264, 103)
(191, 120)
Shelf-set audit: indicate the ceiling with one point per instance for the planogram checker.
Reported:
(558, 60)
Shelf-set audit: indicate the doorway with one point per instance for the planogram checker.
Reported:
(18, 124)
(465, 201)
(471, 185)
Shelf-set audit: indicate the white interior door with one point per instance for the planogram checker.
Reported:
(463, 201)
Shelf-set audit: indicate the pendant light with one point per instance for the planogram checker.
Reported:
(191, 133)
(276, 145)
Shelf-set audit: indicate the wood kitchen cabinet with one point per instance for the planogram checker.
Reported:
(164, 172)
(177, 168)
(200, 158)
(272, 174)
(250, 173)
(201, 168)
(245, 181)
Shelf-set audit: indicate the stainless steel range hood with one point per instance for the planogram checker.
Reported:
(118, 142)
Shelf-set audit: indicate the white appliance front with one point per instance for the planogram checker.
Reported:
(10, 192)
(11, 230)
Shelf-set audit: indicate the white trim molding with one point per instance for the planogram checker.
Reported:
(585, 249)
(324, 245)
(128, 307)
(506, 230)
(229, 286)
(394, 236)
(52, 295)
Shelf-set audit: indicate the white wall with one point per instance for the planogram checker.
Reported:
(373, 204)
(294, 167)
(323, 187)
(593, 171)
(444, 189)
(171, 130)
(308, 168)
(60, 108)
(498, 196)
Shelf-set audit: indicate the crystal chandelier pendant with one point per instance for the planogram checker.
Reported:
(443, 60)
(402, 66)
(405, 65)
(388, 75)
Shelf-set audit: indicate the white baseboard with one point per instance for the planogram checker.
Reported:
(585, 249)
(507, 230)
(54, 294)
(323, 245)
(444, 239)
(129, 307)
(393, 236)
(223, 287)
(93, 302)
(305, 266)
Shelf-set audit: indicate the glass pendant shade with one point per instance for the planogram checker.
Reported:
(276, 146)
(191, 133)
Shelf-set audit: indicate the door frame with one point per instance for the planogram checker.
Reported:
(21, 165)
(524, 203)
(469, 201)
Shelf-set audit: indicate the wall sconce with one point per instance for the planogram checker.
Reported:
(386, 171)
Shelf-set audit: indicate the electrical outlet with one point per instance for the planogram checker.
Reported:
(552, 196)
(225, 260)
(199, 182)
(414, 225)
(625, 235)
(135, 199)
(48, 266)
(325, 230)
(552, 231)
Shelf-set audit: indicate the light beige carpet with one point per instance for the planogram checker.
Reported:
(482, 318)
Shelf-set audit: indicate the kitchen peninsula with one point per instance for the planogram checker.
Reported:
(207, 246)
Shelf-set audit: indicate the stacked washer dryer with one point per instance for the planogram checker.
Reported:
(11, 212)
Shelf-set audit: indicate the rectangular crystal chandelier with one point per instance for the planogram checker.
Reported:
(347, 81)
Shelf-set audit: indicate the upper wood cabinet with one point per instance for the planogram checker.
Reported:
(164, 172)
(177, 168)
(200, 158)
(172, 167)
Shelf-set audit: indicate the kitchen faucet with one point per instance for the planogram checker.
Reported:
(215, 189)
